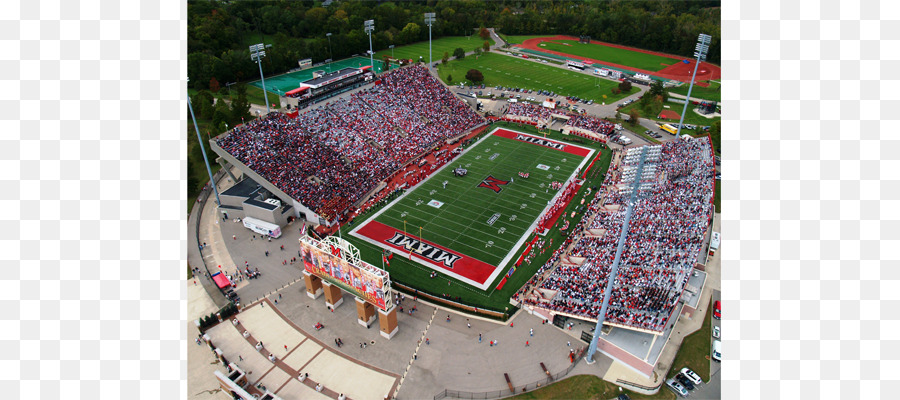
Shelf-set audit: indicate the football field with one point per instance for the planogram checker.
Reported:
(467, 226)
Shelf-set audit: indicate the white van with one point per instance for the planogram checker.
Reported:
(714, 241)
(717, 351)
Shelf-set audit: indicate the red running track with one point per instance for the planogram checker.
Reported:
(678, 71)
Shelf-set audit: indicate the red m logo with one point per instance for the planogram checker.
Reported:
(335, 251)
(492, 183)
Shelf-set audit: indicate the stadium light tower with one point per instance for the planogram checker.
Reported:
(392, 50)
(699, 52)
(429, 19)
(614, 269)
(330, 56)
(369, 26)
(212, 181)
(257, 52)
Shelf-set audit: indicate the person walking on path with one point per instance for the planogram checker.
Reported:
(479, 338)
(526, 344)
(531, 332)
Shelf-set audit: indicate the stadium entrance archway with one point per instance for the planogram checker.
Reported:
(332, 266)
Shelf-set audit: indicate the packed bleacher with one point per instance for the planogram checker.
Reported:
(331, 155)
(535, 113)
(664, 238)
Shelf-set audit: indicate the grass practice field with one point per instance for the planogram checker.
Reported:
(417, 276)
(480, 221)
(438, 47)
(690, 117)
(712, 93)
(517, 72)
(649, 62)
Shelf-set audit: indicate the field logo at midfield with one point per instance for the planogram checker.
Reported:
(541, 142)
(492, 183)
(424, 249)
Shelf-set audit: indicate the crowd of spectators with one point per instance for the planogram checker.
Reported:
(664, 238)
(331, 155)
(535, 113)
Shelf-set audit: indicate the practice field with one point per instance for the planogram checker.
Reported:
(472, 227)
(286, 82)
(438, 47)
(650, 62)
(517, 72)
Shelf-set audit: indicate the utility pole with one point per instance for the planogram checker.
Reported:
(330, 56)
(429, 19)
(699, 52)
(212, 181)
(369, 26)
(257, 52)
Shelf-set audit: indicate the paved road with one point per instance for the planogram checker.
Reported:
(713, 388)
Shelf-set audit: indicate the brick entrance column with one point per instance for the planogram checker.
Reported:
(388, 322)
(365, 313)
(313, 285)
(333, 295)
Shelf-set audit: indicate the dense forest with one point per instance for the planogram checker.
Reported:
(219, 33)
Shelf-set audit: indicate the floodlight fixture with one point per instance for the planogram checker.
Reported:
(257, 52)
(700, 51)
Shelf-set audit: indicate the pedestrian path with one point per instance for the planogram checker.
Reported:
(295, 353)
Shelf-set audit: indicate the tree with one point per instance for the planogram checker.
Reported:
(484, 33)
(618, 115)
(202, 101)
(450, 78)
(625, 86)
(385, 64)
(486, 46)
(475, 76)
(240, 106)
(477, 51)
(459, 53)
(213, 85)
(445, 58)
(658, 91)
(634, 115)
(410, 32)
(221, 114)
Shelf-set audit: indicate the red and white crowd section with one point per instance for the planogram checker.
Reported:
(664, 238)
(331, 155)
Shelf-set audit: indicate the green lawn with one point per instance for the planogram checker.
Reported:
(461, 223)
(417, 276)
(695, 350)
(516, 72)
(438, 47)
(712, 93)
(587, 387)
(691, 117)
(649, 62)
(255, 96)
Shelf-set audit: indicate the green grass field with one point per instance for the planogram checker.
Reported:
(649, 62)
(690, 117)
(695, 350)
(417, 276)
(461, 223)
(516, 72)
(712, 93)
(438, 47)
(587, 387)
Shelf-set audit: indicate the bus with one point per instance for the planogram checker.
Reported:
(669, 128)
(575, 65)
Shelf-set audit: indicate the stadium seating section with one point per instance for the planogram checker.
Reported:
(665, 235)
(331, 155)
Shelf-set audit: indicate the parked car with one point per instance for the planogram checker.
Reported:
(685, 381)
(623, 396)
(717, 332)
(677, 387)
(717, 351)
(690, 374)
(717, 310)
